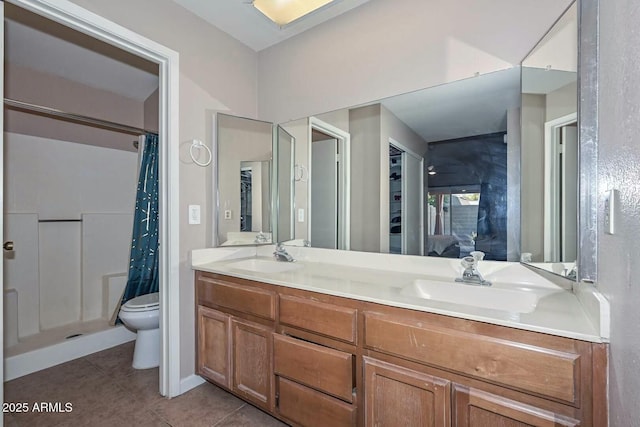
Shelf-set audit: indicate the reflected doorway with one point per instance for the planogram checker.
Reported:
(329, 222)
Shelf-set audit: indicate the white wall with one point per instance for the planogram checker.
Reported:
(60, 179)
(217, 73)
(63, 180)
(619, 168)
(385, 48)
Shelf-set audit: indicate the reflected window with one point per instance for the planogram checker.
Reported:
(452, 216)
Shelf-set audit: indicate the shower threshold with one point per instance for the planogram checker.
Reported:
(58, 345)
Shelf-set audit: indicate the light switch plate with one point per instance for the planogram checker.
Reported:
(300, 215)
(194, 214)
(610, 211)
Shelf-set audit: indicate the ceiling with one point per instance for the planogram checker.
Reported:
(43, 45)
(245, 23)
(475, 106)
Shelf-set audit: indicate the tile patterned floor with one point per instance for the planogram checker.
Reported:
(105, 391)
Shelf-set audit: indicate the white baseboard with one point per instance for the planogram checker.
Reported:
(192, 381)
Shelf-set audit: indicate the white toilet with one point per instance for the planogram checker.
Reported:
(142, 314)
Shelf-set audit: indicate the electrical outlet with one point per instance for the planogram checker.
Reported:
(227, 214)
(194, 214)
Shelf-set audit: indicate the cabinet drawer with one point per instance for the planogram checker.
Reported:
(322, 368)
(540, 370)
(245, 299)
(322, 318)
(310, 408)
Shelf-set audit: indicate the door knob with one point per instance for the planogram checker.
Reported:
(8, 246)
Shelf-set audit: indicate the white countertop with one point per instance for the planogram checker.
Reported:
(385, 278)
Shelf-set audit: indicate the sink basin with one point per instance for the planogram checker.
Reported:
(512, 299)
(264, 265)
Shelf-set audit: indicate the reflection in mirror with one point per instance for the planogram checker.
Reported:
(550, 148)
(284, 150)
(244, 149)
(255, 195)
(411, 165)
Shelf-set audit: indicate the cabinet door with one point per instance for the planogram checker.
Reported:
(252, 349)
(397, 396)
(475, 408)
(214, 356)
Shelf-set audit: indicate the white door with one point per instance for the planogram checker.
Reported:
(324, 194)
(412, 214)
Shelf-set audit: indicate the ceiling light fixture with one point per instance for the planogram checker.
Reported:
(431, 170)
(284, 12)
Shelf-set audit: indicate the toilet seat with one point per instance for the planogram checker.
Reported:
(148, 302)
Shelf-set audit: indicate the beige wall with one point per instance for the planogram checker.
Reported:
(532, 169)
(385, 48)
(152, 111)
(24, 84)
(562, 102)
(216, 73)
(364, 126)
(619, 168)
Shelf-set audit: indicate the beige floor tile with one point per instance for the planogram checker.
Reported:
(105, 391)
(205, 405)
(249, 416)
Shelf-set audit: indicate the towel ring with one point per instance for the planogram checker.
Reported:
(196, 143)
(300, 173)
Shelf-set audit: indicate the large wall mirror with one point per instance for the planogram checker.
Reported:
(448, 170)
(487, 163)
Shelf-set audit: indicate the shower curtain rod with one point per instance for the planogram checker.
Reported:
(19, 105)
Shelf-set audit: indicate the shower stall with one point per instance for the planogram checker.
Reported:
(67, 226)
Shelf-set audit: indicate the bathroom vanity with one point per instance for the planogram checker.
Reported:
(326, 341)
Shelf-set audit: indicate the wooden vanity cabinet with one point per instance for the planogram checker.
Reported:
(396, 396)
(318, 360)
(233, 351)
(477, 408)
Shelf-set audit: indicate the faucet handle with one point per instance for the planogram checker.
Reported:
(468, 262)
(477, 255)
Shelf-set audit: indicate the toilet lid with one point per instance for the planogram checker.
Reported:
(142, 303)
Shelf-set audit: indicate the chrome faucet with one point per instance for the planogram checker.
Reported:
(281, 254)
(261, 238)
(471, 274)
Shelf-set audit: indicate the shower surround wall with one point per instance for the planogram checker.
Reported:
(58, 268)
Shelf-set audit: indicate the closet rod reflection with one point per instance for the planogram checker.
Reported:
(105, 124)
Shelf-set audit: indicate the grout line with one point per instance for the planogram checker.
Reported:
(229, 415)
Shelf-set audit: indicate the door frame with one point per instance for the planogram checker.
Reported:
(551, 223)
(344, 179)
(408, 151)
(73, 16)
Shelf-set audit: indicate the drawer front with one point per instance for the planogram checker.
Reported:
(318, 317)
(321, 368)
(246, 299)
(547, 372)
(310, 408)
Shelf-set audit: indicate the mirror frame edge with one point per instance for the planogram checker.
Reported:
(588, 91)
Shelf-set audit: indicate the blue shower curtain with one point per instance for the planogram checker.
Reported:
(143, 264)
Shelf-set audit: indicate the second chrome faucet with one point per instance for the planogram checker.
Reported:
(471, 275)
